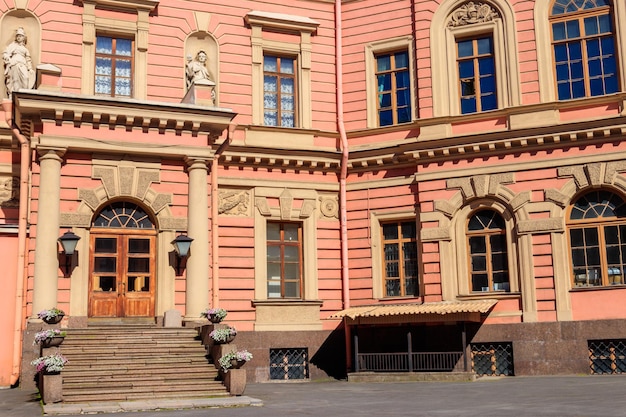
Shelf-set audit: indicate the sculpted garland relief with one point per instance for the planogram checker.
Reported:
(471, 13)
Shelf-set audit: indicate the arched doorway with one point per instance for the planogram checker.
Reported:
(122, 262)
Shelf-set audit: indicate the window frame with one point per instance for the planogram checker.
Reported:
(400, 241)
(443, 39)
(487, 233)
(114, 58)
(545, 60)
(383, 47)
(394, 89)
(281, 75)
(282, 244)
(583, 40)
(600, 224)
(475, 79)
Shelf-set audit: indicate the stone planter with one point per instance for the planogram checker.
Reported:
(54, 320)
(51, 387)
(235, 381)
(224, 342)
(235, 364)
(53, 341)
(214, 318)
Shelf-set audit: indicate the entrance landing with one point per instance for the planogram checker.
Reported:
(411, 377)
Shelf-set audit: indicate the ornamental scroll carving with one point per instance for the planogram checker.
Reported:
(234, 203)
(471, 13)
(9, 191)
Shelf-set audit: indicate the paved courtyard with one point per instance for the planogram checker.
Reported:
(571, 396)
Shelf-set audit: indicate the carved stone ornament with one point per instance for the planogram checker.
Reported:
(329, 206)
(235, 203)
(471, 13)
(9, 191)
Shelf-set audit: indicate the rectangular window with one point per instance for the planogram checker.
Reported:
(289, 364)
(584, 56)
(114, 66)
(477, 74)
(284, 260)
(607, 356)
(494, 359)
(279, 91)
(394, 88)
(400, 259)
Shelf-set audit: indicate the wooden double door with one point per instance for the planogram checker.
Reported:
(122, 274)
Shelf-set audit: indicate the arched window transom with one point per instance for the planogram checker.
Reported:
(488, 256)
(123, 214)
(597, 232)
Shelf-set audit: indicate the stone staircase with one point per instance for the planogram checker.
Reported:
(125, 363)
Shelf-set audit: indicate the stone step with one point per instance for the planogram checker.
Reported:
(128, 363)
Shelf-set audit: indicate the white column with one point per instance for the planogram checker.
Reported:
(197, 285)
(48, 218)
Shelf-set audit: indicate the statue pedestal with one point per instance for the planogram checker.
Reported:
(202, 93)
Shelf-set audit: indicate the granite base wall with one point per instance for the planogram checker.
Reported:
(550, 348)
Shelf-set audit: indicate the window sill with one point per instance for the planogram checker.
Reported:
(490, 294)
(393, 300)
(286, 302)
(598, 288)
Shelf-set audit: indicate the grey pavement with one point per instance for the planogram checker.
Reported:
(563, 396)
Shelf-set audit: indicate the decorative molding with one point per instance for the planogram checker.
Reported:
(75, 220)
(307, 209)
(329, 206)
(471, 13)
(9, 191)
(541, 226)
(263, 206)
(286, 204)
(234, 202)
(435, 234)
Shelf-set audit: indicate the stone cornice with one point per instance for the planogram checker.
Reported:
(124, 5)
(112, 112)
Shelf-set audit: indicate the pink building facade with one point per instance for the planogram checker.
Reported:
(358, 178)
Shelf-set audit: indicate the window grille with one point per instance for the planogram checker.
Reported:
(493, 359)
(607, 356)
(289, 364)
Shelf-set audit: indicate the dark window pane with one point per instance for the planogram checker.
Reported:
(385, 118)
(105, 245)
(139, 265)
(480, 282)
(468, 105)
(104, 264)
(478, 244)
(390, 231)
(106, 283)
(138, 246)
(484, 46)
(558, 31)
(466, 48)
(383, 63)
(479, 263)
(466, 69)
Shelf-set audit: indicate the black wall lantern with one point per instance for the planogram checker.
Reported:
(68, 242)
(182, 243)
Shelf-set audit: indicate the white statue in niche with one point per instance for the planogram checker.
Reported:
(197, 70)
(18, 66)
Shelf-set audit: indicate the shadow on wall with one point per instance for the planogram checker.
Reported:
(331, 356)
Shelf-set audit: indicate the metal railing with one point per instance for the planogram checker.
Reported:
(408, 362)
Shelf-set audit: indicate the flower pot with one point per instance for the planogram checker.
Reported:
(53, 341)
(54, 320)
(214, 318)
(236, 364)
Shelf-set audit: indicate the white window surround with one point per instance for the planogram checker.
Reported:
(377, 48)
(376, 220)
(462, 250)
(304, 27)
(444, 58)
(545, 62)
(138, 30)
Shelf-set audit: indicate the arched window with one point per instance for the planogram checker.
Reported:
(488, 259)
(125, 215)
(584, 49)
(597, 233)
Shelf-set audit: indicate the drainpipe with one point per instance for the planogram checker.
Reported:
(214, 214)
(20, 307)
(343, 217)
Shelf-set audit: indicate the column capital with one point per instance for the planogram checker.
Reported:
(197, 162)
(51, 153)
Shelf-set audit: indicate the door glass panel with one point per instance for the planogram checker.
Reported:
(139, 284)
(138, 246)
(106, 245)
(139, 265)
(105, 264)
(105, 283)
